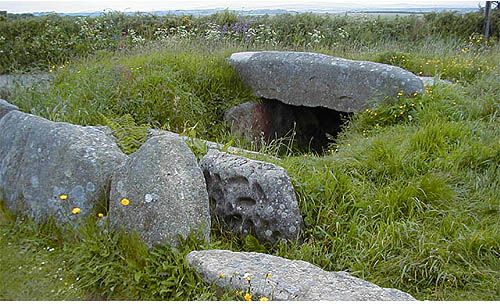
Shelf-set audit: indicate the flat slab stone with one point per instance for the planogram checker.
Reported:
(311, 79)
(50, 168)
(160, 192)
(252, 197)
(276, 278)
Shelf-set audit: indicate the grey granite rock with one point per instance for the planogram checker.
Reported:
(6, 107)
(49, 168)
(251, 121)
(165, 189)
(252, 197)
(276, 278)
(311, 79)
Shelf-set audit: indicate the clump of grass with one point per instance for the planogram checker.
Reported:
(94, 262)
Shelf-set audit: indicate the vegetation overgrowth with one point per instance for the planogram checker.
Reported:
(407, 196)
(40, 43)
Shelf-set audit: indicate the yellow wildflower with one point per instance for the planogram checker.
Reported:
(221, 276)
(100, 214)
(63, 196)
(76, 210)
(248, 279)
(264, 299)
(269, 275)
(248, 297)
(125, 202)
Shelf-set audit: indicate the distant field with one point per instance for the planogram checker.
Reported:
(385, 14)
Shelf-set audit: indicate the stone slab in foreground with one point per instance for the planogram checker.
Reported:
(281, 279)
(50, 168)
(311, 79)
(160, 192)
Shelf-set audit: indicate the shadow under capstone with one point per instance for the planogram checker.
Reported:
(311, 124)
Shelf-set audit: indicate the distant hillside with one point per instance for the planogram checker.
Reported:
(273, 12)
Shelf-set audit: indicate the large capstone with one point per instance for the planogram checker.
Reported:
(252, 197)
(54, 169)
(312, 80)
(276, 278)
(6, 107)
(160, 192)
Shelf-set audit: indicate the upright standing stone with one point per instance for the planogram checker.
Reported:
(160, 192)
(252, 197)
(276, 278)
(251, 121)
(53, 168)
(311, 79)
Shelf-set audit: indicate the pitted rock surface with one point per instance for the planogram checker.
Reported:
(282, 279)
(43, 160)
(252, 197)
(311, 79)
(165, 189)
(6, 107)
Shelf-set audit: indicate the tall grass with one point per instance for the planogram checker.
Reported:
(407, 197)
(29, 43)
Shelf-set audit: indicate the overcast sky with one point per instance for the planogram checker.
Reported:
(72, 6)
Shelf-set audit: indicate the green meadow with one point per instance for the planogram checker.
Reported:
(405, 197)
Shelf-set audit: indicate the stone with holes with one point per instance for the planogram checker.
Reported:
(312, 80)
(252, 197)
(49, 168)
(276, 278)
(160, 192)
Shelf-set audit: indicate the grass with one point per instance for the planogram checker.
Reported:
(406, 198)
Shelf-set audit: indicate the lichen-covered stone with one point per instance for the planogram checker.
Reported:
(276, 278)
(252, 197)
(311, 79)
(50, 168)
(164, 190)
(6, 107)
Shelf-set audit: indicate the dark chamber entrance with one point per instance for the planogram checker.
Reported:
(311, 124)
